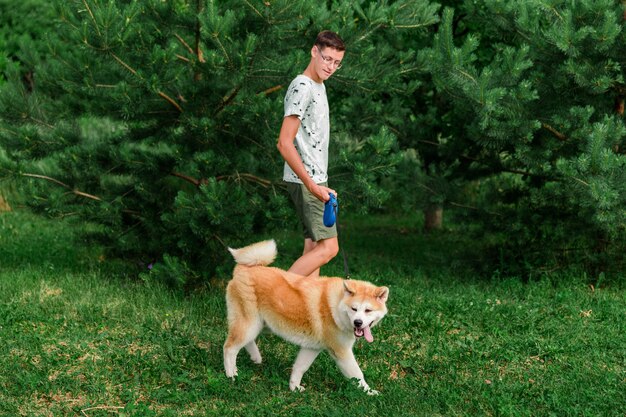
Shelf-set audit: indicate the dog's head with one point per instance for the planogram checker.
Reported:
(365, 305)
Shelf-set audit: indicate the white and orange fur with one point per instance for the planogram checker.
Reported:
(314, 313)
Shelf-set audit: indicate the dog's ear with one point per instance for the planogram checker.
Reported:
(382, 293)
(347, 288)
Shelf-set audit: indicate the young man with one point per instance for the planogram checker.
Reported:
(303, 143)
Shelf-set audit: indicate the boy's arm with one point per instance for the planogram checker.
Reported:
(290, 154)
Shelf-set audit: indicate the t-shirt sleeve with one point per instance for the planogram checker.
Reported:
(297, 99)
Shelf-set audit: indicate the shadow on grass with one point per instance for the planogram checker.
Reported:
(377, 243)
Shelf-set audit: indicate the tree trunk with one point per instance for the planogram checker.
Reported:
(433, 217)
(4, 206)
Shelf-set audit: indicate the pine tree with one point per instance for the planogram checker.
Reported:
(536, 90)
(23, 27)
(159, 120)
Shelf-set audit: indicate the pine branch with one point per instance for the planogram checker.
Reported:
(249, 177)
(271, 90)
(95, 24)
(560, 136)
(170, 100)
(199, 54)
(586, 184)
(452, 203)
(187, 178)
(62, 184)
(368, 33)
(160, 93)
(255, 9)
(80, 193)
(125, 65)
(185, 44)
(216, 37)
(44, 177)
(228, 100)
(502, 168)
(237, 176)
(41, 122)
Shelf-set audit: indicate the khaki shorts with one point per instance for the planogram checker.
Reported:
(311, 213)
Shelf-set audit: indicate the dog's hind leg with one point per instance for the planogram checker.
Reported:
(253, 351)
(301, 365)
(231, 349)
(241, 334)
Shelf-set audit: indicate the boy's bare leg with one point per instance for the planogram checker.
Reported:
(315, 255)
(308, 247)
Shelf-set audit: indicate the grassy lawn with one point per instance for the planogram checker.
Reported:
(78, 338)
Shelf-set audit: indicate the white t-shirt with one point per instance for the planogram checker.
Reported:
(307, 99)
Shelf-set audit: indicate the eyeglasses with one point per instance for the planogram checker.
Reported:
(329, 60)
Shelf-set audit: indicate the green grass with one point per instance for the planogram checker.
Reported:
(79, 339)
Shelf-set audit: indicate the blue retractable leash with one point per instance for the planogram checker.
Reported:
(331, 209)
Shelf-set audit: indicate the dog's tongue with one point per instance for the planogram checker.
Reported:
(367, 334)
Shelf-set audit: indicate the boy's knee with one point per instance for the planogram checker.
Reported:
(331, 248)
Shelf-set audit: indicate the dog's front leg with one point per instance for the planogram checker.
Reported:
(301, 365)
(350, 368)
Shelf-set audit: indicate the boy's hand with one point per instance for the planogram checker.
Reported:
(321, 192)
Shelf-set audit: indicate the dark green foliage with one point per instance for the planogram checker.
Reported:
(24, 27)
(532, 87)
(158, 120)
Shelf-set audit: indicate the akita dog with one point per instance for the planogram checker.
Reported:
(315, 313)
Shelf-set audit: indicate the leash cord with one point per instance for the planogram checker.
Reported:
(343, 253)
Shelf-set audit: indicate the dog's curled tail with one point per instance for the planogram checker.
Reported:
(261, 253)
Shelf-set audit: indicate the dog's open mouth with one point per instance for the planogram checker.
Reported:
(364, 332)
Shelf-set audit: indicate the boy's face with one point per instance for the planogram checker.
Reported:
(326, 61)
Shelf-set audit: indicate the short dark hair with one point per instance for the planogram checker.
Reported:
(328, 39)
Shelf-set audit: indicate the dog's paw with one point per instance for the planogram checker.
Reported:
(296, 388)
(256, 359)
(367, 388)
(231, 373)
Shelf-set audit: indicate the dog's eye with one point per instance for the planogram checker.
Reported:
(367, 310)
(353, 309)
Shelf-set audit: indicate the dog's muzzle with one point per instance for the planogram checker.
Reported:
(363, 331)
